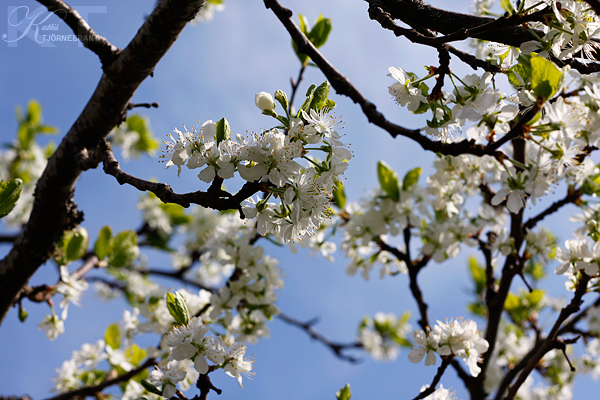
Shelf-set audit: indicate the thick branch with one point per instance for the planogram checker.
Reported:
(96, 43)
(53, 211)
(418, 14)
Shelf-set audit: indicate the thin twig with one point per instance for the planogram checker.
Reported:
(94, 390)
(550, 342)
(436, 379)
(337, 348)
(215, 199)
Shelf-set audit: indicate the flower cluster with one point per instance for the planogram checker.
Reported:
(457, 338)
(304, 190)
(383, 335)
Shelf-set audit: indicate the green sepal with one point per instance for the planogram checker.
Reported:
(282, 98)
(177, 308)
(9, 195)
(388, 179)
(151, 388)
(344, 393)
(339, 195)
(223, 131)
(411, 178)
(309, 97)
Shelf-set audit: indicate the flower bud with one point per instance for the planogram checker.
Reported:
(264, 101)
(281, 97)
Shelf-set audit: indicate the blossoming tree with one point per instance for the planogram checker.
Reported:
(523, 125)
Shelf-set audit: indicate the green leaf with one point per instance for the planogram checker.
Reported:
(478, 309)
(545, 77)
(223, 131)
(112, 336)
(344, 393)
(103, 244)
(519, 75)
(303, 24)
(339, 195)
(9, 194)
(150, 387)
(135, 354)
(146, 142)
(319, 99)
(31, 124)
(34, 112)
(478, 275)
(535, 297)
(92, 378)
(177, 308)
(176, 213)
(124, 249)
(304, 28)
(512, 302)
(507, 6)
(77, 245)
(388, 179)
(320, 32)
(72, 246)
(411, 178)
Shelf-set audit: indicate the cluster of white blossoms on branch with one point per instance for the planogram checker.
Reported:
(383, 335)
(278, 158)
(457, 338)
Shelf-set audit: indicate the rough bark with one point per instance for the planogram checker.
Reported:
(54, 210)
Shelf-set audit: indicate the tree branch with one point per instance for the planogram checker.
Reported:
(549, 343)
(343, 87)
(571, 197)
(337, 348)
(436, 379)
(94, 390)
(417, 13)
(216, 198)
(53, 209)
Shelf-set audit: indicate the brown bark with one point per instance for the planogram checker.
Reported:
(53, 210)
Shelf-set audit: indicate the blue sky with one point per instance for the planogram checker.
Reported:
(213, 71)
